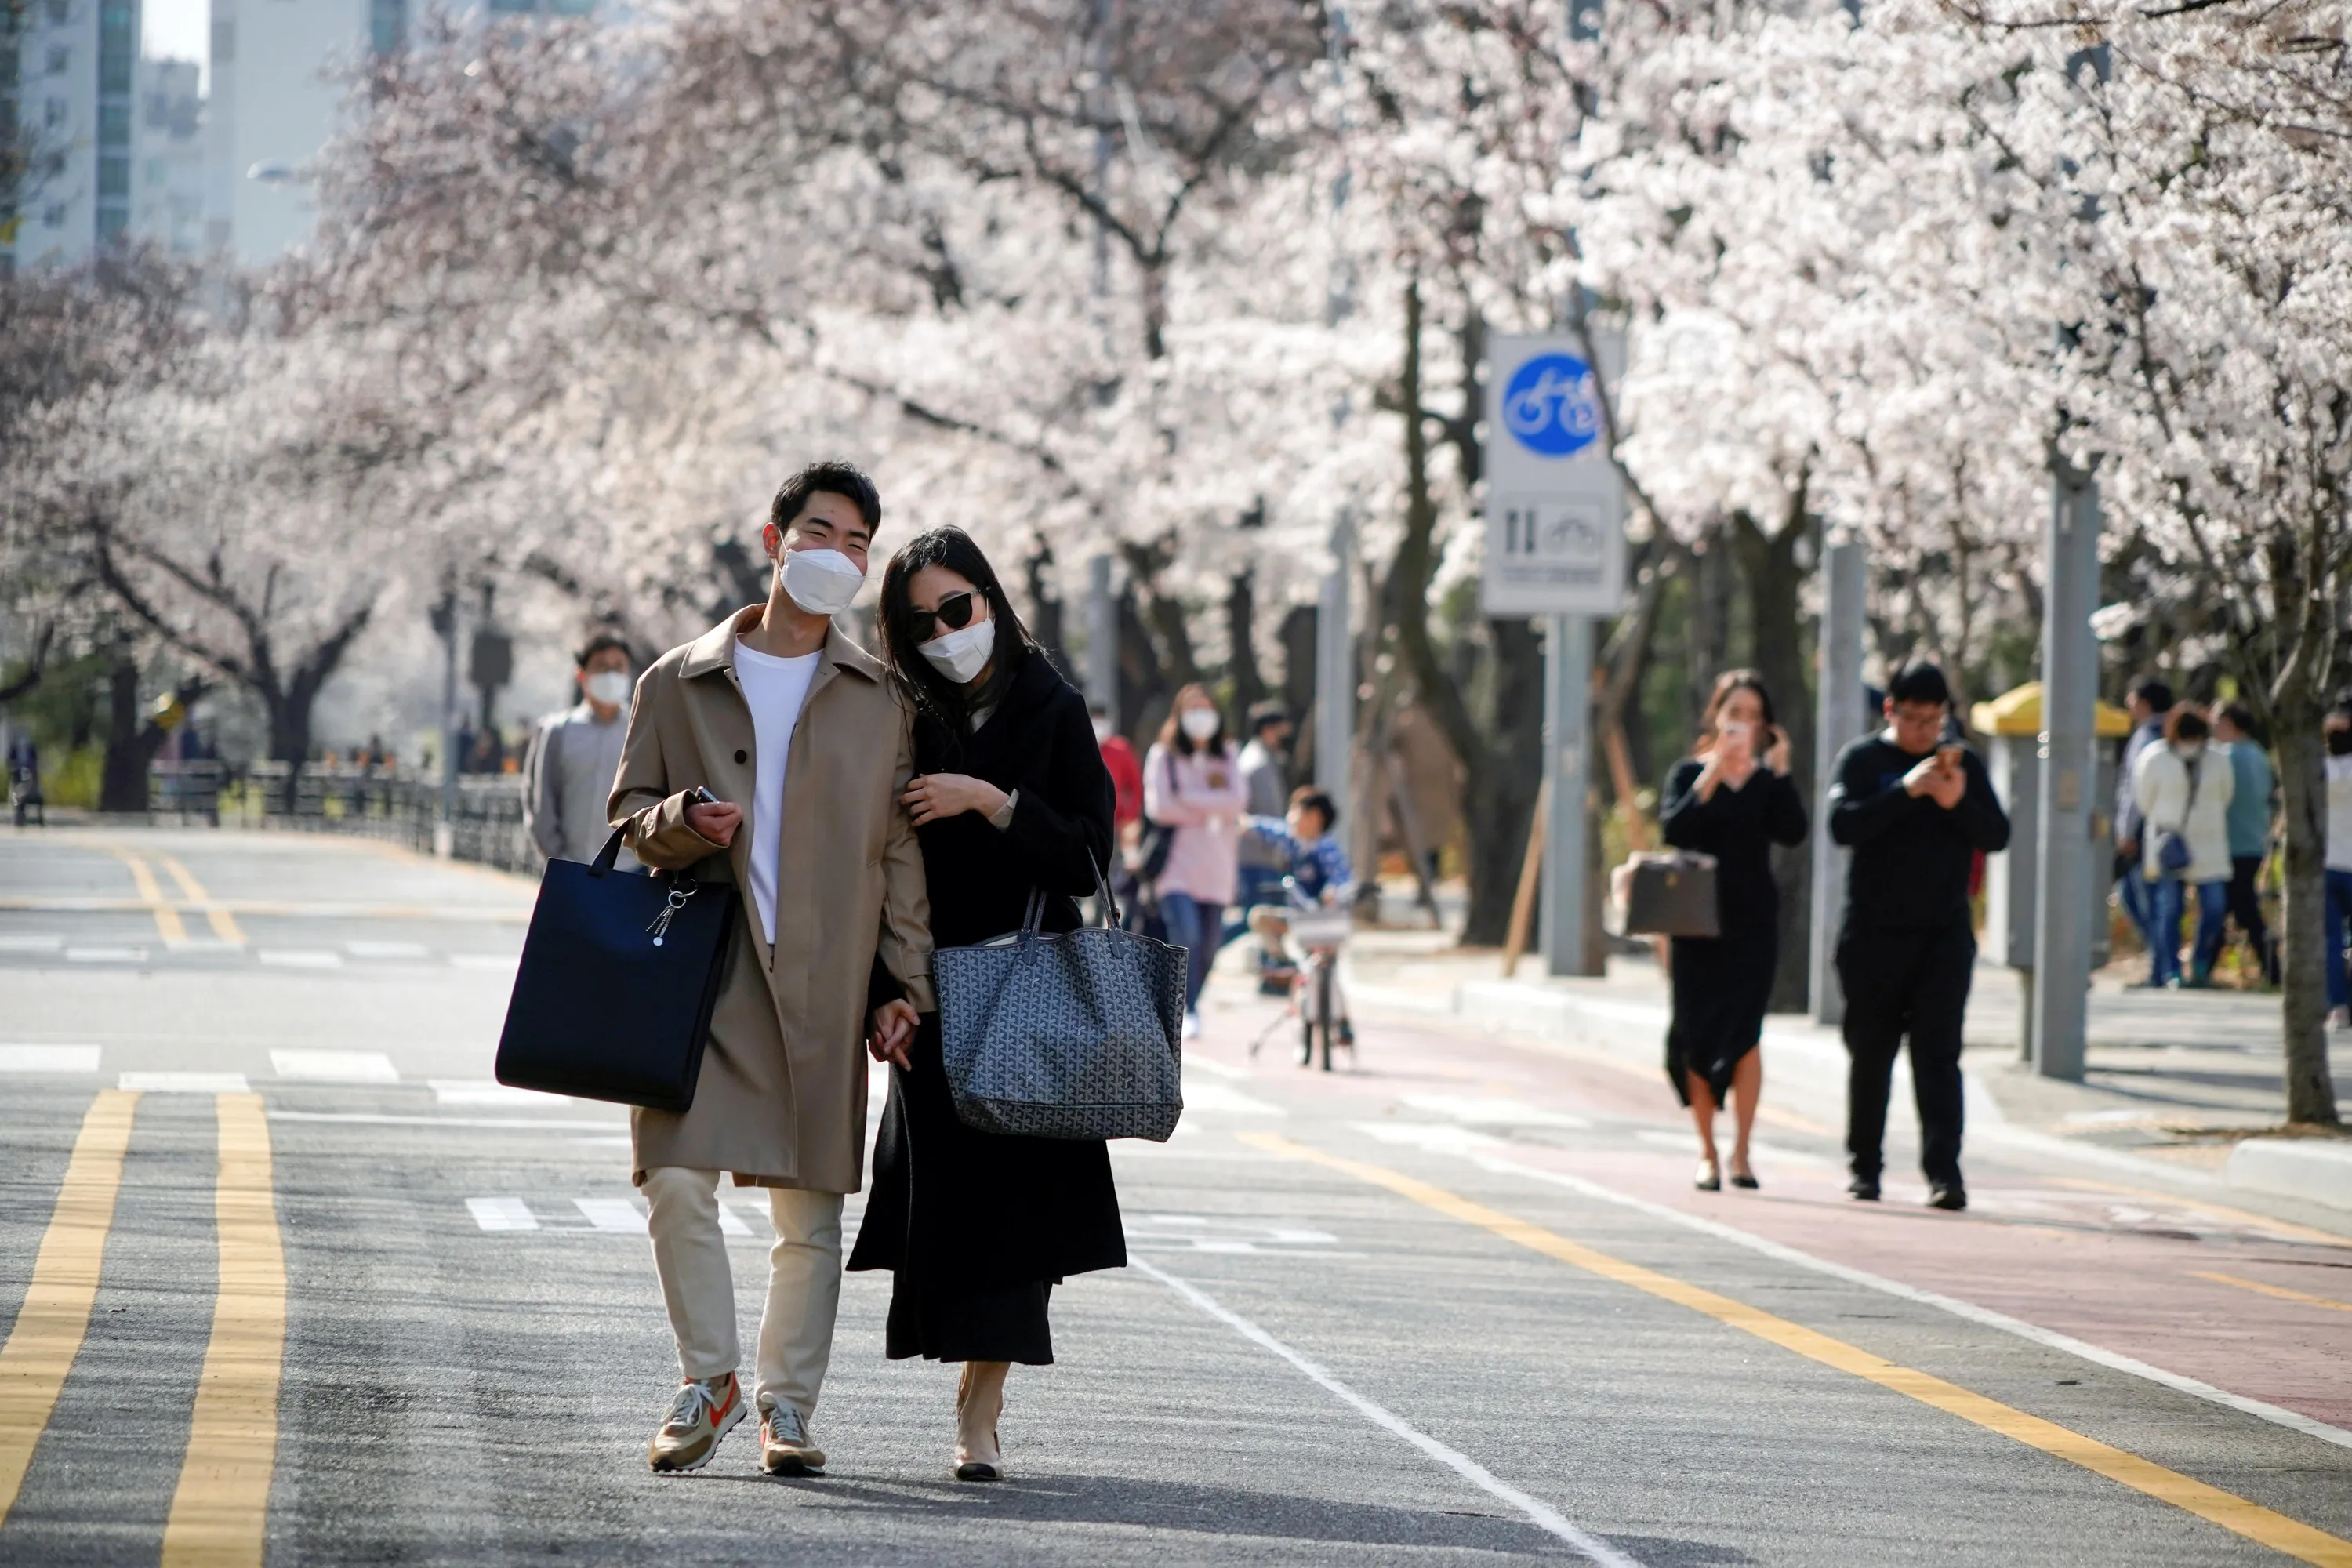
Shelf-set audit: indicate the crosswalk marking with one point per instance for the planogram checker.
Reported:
(335, 1067)
(185, 1082)
(614, 1213)
(106, 954)
(220, 1513)
(486, 1091)
(616, 1217)
(387, 949)
(31, 943)
(301, 957)
(503, 1214)
(1492, 1110)
(48, 1058)
(50, 1325)
(489, 961)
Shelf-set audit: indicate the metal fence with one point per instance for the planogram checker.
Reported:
(404, 808)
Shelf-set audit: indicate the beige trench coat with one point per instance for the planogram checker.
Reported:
(781, 1098)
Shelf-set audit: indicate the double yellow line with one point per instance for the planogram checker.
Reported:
(168, 923)
(220, 1510)
(2232, 1512)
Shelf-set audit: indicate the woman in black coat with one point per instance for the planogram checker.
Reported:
(1731, 799)
(1010, 794)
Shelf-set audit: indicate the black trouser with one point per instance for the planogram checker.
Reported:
(2246, 908)
(1898, 983)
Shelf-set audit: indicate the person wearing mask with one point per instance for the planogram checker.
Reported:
(1192, 785)
(1916, 810)
(568, 771)
(1731, 798)
(2149, 703)
(2337, 729)
(2183, 789)
(1009, 795)
(795, 728)
(2251, 787)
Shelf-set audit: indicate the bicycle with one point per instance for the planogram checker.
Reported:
(1312, 935)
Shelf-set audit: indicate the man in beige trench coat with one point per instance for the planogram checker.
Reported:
(795, 728)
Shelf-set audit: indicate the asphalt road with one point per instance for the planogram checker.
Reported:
(286, 1276)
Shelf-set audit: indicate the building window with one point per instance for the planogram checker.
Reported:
(60, 12)
(112, 221)
(572, 7)
(387, 25)
(54, 112)
(53, 216)
(61, 60)
(511, 5)
(113, 124)
(113, 177)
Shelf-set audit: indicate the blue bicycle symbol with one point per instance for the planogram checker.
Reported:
(1552, 406)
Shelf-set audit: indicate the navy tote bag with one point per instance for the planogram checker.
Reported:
(618, 977)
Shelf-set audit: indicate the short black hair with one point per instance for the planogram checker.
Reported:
(2156, 693)
(1920, 682)
(1261, 715)
(832, 477)
(598, 643)
(1316, 800)
(2241, 715)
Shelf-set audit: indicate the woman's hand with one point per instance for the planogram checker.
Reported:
(1776, 759)
(894, 1030)
(931, 796)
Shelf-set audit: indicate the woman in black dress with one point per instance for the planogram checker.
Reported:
(1010, 794)
(1731, 799)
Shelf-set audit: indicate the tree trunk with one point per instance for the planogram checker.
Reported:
(1775, 584)
(1241, 659)
(1706, 625)
(123, 778)
(2310, 1090)
(1500, 809)
(1045, 607)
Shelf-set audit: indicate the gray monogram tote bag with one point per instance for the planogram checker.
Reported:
(1069, 1034)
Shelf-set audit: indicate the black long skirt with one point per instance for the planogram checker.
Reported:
(978, 1227)
(1721, 987)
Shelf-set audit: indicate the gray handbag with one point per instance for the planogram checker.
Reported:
(1068, 1035)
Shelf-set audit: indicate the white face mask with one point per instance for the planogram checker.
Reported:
(961, 654)
(1199, 723)
(610, 687)
(821, 581)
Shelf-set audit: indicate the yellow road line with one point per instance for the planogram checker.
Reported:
(2218, 1211)
(2232, 1512)
(2280, 1291)
(54, 1319)
(167, 919)
(223, 923)
(220, 1514)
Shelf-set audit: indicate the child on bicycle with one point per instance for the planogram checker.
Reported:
(1318, 872)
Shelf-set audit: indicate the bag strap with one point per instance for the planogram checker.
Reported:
(609, 856)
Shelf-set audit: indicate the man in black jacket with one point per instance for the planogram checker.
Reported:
(1914, 808)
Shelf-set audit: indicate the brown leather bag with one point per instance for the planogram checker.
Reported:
(1668, 894)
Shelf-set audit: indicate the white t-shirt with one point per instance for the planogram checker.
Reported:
(775, 688)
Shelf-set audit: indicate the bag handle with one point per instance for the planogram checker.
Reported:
(609, 856)
(1108, 905)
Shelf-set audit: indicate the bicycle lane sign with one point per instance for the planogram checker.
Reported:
(1555, 503)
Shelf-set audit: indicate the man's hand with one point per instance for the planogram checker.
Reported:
(933, 795)
(1950, 784)
(716, 823)
(1921, 780)
(894, 1030)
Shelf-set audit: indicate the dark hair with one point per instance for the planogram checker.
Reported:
(1261, 715)
(930, 688)
(1172, 732)
(2185, 723)
(833, 477)
(2238, 714)
(598, 643)
(2156, 693)
(1316, 800)
(1921, 683)
(1729, 682)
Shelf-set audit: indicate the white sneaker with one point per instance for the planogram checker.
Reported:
(1192, 1023)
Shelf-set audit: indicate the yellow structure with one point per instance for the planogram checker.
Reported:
(2018, 712)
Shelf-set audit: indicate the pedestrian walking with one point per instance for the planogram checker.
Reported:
(1265, 789)
(1192, 785)
(568, 771)
(1916, 810)
(2149, 703)
(792, 725)
(2338, 924)
(1731, 798)
(2184, 791)
(2251, 798)
(1010, 796)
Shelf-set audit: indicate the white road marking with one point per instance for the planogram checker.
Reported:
(106, 955)
(1777, 1152)
(2293, 1419)
(1221, 1069)
(1592, 1547)
(1216, 1098)
(488, 1091)
(408, 950)
(301, 957)
(1437, 1137)
(185, 1082)
(503, 1214)
(730, 1223)
(31, 943)
(617, 1213)
(504, 961)
(335, 1067)
(1492, 1110)
(48, 1058)
(368, 1119)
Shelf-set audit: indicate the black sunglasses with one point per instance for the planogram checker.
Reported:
(954, 612)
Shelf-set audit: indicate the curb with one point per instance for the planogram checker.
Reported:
(2314, 1169)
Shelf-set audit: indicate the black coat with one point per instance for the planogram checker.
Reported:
(950, 1203)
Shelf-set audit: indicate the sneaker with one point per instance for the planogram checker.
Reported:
(1191, 1022)
(1863, 1189)
(1948, 1196)
(784, 1446)
(704, 1411)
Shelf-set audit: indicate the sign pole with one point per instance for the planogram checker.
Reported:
(2069, 765)
(1102, 637)
(1568, 764)
(1335, 671)
(1838, 718)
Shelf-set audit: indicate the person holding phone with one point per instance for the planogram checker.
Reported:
(1192, 782)
(1916, 808)
(1731, 798)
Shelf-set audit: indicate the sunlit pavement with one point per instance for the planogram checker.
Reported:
(287, 1277)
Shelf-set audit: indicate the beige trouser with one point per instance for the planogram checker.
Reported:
(804, 1283)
